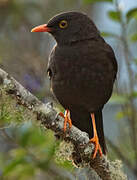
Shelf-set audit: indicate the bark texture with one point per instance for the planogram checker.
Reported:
(49, 118)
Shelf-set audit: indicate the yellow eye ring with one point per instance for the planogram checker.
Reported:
(63, 24)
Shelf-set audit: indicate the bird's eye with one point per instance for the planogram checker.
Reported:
(63, 24)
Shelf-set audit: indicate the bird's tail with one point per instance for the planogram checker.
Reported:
(100, 130)
(82, 120)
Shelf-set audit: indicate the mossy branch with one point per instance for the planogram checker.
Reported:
(49, 118)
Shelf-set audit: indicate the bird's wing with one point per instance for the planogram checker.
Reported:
(51, 69)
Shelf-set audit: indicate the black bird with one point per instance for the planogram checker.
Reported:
(82, 68)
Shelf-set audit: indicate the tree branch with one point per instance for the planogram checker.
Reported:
(47, 115)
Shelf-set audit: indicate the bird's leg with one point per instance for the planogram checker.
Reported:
(66, 117)
(95, 139)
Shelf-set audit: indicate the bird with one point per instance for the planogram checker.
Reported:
(82, 69)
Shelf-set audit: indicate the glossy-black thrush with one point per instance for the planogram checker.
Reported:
(82, 68)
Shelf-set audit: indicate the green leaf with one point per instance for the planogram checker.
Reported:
(105, 34)
(109, 34)
(120, 115)
(12, 165)
(133, 37)
(133, 94)
(114, 15)
(132, 14)
(18, 153)
(135, 61)
(117, 99)
(94, 1)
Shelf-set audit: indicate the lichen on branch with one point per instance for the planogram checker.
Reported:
(49, 118)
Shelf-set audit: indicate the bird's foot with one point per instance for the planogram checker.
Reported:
(95, 139)
(97, 146)
(66, 119)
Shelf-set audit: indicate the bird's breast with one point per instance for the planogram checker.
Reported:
(81, 76)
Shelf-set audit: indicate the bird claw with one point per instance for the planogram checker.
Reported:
(66, 119)
(97, 146)
(95, 139)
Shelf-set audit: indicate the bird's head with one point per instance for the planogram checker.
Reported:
(69, 27)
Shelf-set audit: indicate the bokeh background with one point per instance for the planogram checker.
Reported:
(27, 151)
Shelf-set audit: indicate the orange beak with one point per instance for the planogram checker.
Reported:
(41, 28)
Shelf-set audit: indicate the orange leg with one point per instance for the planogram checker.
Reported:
(95, 139)
(66, 119)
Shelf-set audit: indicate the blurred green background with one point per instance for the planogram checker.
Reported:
(27, 151)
